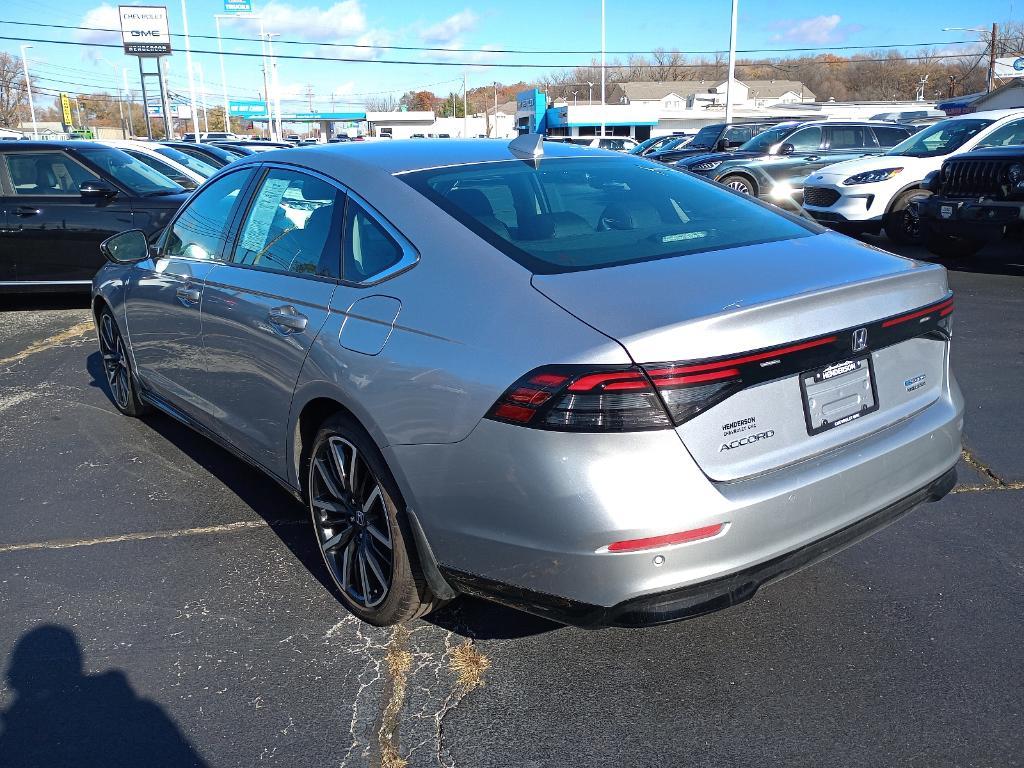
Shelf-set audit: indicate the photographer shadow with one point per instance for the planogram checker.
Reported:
(62, 716)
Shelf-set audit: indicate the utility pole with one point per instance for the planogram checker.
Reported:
(309, 95)
(465, 105)
(732, 64)
(603, 78)
(128, 93)
(28, 86)
(191, 79)
(992, 58)
(495, 109)
(202, 97)
(275, 83)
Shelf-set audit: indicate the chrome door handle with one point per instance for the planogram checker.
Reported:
(288, 319)
(188, 296)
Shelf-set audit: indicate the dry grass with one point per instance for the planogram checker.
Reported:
(469, 666)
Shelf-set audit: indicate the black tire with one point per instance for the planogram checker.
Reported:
(117, 368)
(349, 523)
(951, 246)
(902, 222)
(739, 183)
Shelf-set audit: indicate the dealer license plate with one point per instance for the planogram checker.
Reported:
(838, 394)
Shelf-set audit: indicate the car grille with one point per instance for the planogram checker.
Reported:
(973, 178)
(820, 197)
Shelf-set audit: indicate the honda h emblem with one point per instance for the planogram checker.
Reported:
(860, 339)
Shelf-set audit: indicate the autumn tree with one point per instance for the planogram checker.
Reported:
(12, 90)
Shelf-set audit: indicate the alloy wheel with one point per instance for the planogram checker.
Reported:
(739, 185)
(352, 522)
(115, 361)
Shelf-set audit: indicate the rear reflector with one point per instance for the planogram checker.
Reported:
(635, 545)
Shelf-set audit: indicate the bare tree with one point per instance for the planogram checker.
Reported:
(383, 103)
(13, 94)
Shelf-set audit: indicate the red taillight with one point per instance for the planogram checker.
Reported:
(943, 308)
(572, 398)
(696, 534)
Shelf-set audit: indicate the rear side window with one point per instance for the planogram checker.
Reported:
(289, 224)
(369, 249)
(850, 137)
(46, 173)
(585, 213)
(1004, 136)
(200, 231)
(889, 137)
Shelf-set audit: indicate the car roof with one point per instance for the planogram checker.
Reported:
(402, 155)
(991, 114)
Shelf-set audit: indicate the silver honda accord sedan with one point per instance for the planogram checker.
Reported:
(571, 381)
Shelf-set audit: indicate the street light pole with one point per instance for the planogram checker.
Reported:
(275, 84)
(128, 93)
(117, 86)
(28, 86)
(223, 77)
(202, 97)
(732, 64)
(465, 105)
(191, 79)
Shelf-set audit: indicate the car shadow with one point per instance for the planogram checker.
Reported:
(43, 301)
(288, 519)
(62, 716)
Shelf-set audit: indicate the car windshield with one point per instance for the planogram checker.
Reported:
(571, 214)
(135, 175)
(941, 138)
(764, 141)
(706, 136)
(192, 163)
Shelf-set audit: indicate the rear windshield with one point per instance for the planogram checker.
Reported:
(571, 214)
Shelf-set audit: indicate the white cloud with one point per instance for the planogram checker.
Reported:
(820, 30)
(102, 17)
(311, 23)
(369, 40)
(447, 31)
(343, 90)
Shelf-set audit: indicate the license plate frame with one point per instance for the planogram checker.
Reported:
(821, 374)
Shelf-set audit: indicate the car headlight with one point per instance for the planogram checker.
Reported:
(869, 177)
(1015, 174)
(707, 165)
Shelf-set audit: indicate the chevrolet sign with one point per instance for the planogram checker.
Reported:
(144, 30)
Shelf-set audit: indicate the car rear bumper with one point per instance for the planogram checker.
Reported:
(535, 510)
(698, 599)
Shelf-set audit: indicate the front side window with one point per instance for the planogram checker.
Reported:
(889, 137)
(941, 138)
(203, 168)
(46, 173)
(201, 229)
(369, 249)
(1007, 135)
(590, 212)
(136, 176)
(737, 135)
(288, 226)
(763, 142)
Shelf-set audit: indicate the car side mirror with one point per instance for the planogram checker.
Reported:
(97, 190)
(128, 247)
(787, 149)
(721, 145)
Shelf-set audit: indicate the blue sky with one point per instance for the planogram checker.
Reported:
(481, 26)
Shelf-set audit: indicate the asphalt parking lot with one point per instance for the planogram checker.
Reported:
(162, 605)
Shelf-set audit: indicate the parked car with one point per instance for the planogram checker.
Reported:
(660, 144)
(774, 163)
(719, 137)
(614, 143)
(873, 193)
(578, 474)
(218, 136)
(208, 153)
(61, 199)
(183, 170)
(251, 147)
(975, 197)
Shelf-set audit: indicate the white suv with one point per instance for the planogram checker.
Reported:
(878, 191)
(615, 143)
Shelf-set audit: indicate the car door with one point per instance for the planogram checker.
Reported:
(803, 154)
(846, 142)
(7, 249)
(165, 293)
(263, 309)
(53, 231)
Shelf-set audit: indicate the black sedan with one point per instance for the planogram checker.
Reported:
(208, 153)
(717, 137)
(60, 199)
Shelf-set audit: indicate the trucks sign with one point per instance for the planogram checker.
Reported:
(144, 30)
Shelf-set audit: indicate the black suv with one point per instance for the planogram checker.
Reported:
(719, 137)
(976, 197)
(60, 199)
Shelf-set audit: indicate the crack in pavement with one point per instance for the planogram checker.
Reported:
(241, 525)
(69, 334)
(995, 483)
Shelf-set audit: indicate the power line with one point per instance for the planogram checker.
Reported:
(441, 49)
(462, 64)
